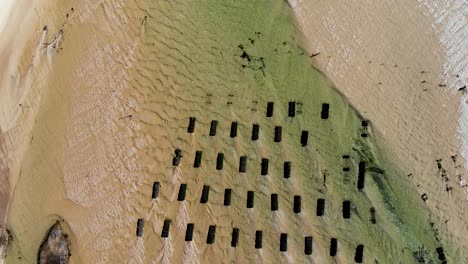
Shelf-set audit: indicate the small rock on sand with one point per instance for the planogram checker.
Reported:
(55, 249)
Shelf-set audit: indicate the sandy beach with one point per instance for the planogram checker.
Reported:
(402, 83)
(97, 95)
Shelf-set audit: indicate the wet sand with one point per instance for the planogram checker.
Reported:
(101, 119)
(387, 59)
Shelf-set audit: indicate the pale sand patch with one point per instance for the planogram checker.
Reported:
(387, 60)
(5, 8)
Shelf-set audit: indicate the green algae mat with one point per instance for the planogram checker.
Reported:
(234, 58)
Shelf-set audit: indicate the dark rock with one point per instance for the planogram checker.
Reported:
(5, 240)
(55, 249)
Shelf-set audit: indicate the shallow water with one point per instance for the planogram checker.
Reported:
(114, 114)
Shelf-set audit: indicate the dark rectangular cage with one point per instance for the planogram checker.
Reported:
(255, 131)
(182, 191)
(189, 232)
(270, 108)
(325, 111)
(278, 134)
(155, 192)
(210, 238)
(308, 241)
(233, 132)
(140, 225)
(213, 127)
(166, 227)
(283, 242)
(205, 194)
(191, 126)
(258, 239)
(243, 164)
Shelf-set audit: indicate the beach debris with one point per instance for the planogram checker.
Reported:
(250, 61)
(454, 158)
(424, 197)
(461, 88)
(144, 21)
(128, 116)
(55, 44)
(448, 189)
(421, 254)
(316, 54)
